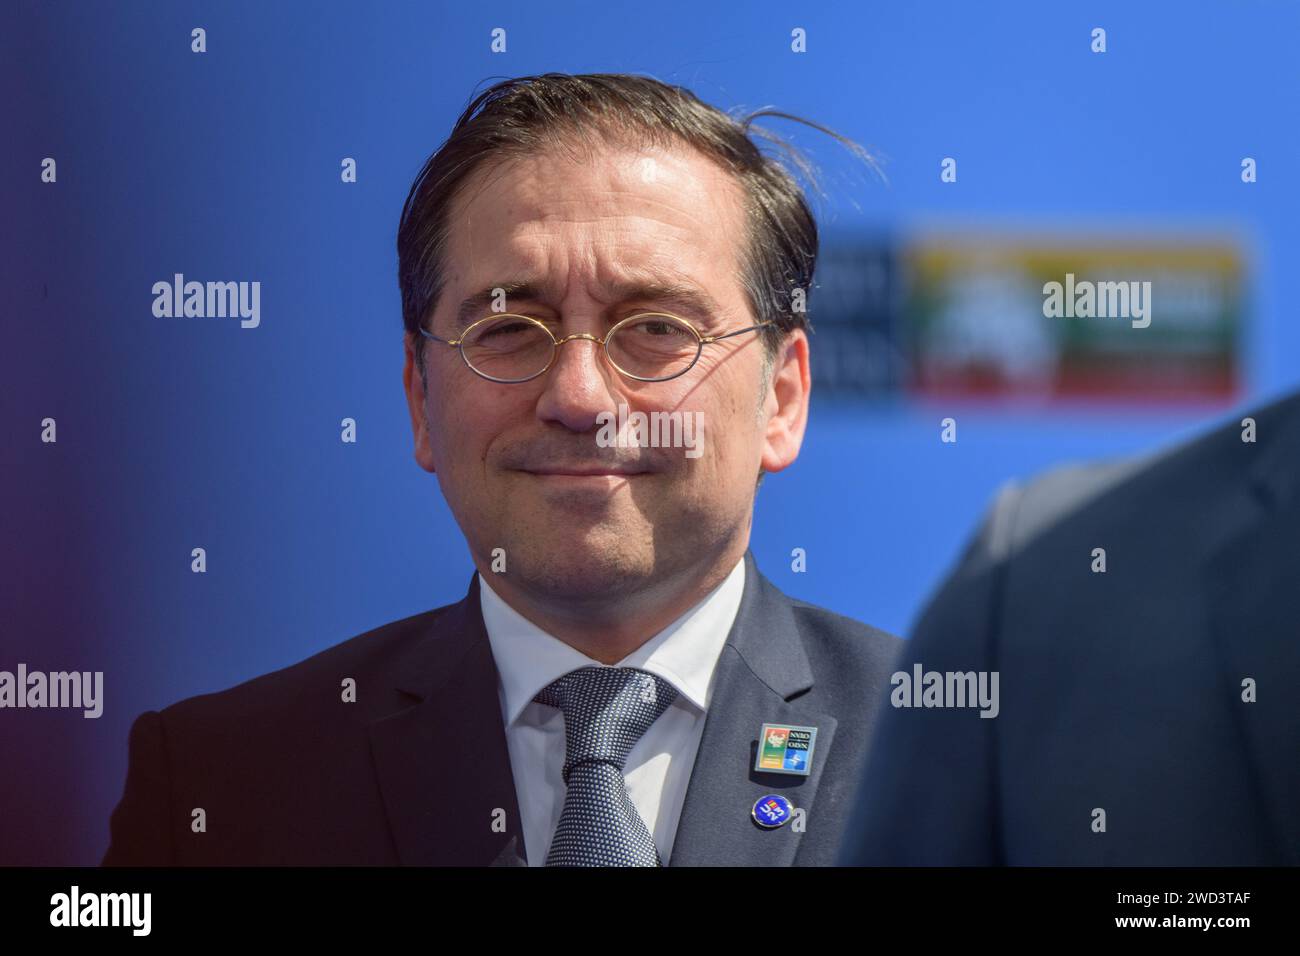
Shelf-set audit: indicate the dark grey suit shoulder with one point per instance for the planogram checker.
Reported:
(262, 744)
(1121, 691)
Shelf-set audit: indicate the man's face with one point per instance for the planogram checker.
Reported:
(586, 236)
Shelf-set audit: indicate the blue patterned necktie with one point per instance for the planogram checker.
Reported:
(606, 711)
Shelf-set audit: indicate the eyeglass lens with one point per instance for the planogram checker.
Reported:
(513, 349)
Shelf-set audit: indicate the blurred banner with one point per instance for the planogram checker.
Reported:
(1044, 318)
(1032, 317)
(854, 311)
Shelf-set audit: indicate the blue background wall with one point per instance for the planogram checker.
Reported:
(175, 433)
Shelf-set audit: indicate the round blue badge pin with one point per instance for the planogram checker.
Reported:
(772, 810)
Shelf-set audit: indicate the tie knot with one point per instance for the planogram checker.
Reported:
(606, 711)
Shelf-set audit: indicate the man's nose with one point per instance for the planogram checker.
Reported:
(579, 385)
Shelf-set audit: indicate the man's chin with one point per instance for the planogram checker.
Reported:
(579, 570)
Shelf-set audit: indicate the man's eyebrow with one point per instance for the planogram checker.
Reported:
(480, 303)
(673, 296)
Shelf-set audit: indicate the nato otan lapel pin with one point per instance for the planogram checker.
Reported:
(786, 749)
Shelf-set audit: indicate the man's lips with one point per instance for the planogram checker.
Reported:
(586, 472)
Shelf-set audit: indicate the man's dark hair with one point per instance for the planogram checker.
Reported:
(527, 115)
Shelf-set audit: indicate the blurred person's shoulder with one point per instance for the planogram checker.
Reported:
(1191, 489)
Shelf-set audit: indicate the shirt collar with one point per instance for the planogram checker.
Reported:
(684, 653)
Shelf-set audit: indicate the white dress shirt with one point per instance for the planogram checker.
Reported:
(659, 765)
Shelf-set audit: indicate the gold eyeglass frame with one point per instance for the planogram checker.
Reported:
(701, 341)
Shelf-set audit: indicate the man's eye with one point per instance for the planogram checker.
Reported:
(505, 330)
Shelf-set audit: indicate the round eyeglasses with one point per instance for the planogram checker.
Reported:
(648, 347)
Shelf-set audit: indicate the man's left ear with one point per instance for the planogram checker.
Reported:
(786, 405)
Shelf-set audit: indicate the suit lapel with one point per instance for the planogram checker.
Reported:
(442, 762)
(761, 667)
(1253, 586)
(441, 814)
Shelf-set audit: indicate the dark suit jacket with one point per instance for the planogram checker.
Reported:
(416, 769)
(1119, 690)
